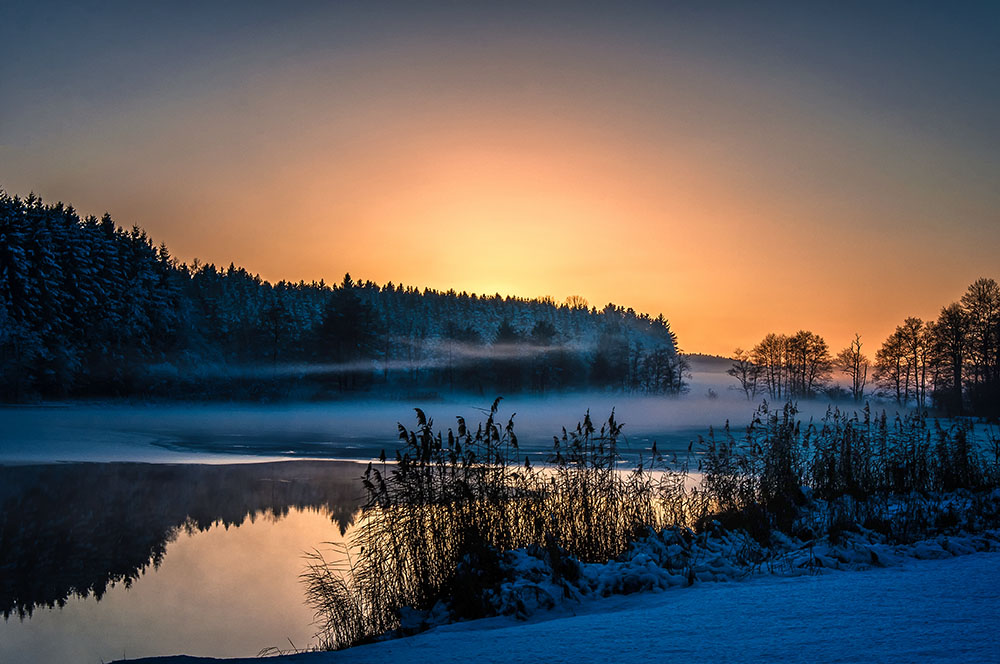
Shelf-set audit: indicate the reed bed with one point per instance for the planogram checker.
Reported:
(438, 520)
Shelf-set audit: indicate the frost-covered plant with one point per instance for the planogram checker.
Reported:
(855, 459)
(437, 520)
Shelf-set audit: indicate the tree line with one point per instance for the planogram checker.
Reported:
(88, 308)
(951, 364)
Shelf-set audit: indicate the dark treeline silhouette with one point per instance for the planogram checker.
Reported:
(90, 309)
(77, 529)
(952, 364)
(784, 367)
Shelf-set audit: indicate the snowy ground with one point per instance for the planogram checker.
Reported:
(944, 610)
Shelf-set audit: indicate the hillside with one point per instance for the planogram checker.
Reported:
(91, 309)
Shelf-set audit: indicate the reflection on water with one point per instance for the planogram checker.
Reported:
(185, 558)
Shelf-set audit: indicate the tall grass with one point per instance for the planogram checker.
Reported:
(760, 481)
(437, 521)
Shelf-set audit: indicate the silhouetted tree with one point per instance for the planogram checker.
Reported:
(808, 363)
(950, 348)
(981, 304)
(892, 369)
(771, 356)
(745, 371)
(852, 362)
(348, 336)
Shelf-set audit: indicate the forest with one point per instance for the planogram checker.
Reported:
(90, 309)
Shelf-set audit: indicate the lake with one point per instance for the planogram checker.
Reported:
(109, 560)
(136, 530)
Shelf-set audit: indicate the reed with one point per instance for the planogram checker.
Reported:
(456, 501)
(437, 521)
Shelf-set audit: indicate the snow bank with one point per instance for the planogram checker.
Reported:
(936, 611)
(544, 578)
(917, 604)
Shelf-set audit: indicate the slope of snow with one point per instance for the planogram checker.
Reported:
(945, 610)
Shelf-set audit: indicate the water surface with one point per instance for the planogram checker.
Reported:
(134, 530)
(105, 561)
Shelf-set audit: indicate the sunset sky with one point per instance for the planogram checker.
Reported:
(741, 170)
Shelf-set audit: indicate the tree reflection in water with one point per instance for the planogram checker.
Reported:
(78, 529)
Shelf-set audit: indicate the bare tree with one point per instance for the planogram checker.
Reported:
(770, 356)
(808, 363)
(892, 369)
(981, 304)
(951, 345)
(915, 336)
(745, 371)
(853, 362)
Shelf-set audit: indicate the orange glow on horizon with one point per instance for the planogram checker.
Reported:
(736, 204)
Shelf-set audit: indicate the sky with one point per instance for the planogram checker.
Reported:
(742, 169)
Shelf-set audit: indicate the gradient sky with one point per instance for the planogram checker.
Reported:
(833, 167)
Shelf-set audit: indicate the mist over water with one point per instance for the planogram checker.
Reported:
(359, 429)
(444, 354)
